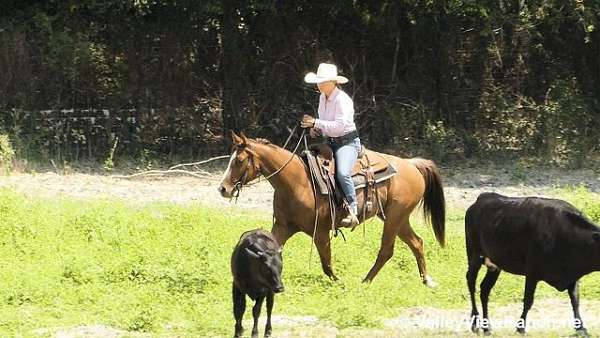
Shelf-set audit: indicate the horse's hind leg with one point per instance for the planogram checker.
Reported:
(386, 250)
(415, 243)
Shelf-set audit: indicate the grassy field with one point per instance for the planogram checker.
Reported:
(164, 269)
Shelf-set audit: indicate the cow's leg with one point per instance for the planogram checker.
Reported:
(574, 295)
(239, 306)
(256, 314)
(474, 266)
(415, 243)
(386, 249)
(270, 300)
(486, 286)
(323, 245)
(530, 285)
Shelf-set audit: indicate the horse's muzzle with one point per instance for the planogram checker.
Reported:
(223, 191)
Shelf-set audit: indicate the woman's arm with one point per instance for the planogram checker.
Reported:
(343, 116)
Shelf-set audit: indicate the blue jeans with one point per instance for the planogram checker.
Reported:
(345, 158)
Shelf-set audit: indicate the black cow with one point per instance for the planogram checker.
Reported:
(542, 239)
(256, 266)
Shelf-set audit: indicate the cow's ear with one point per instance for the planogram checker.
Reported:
(252, 253)
(596, 237)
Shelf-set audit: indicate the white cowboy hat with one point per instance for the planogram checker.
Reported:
(325, 72)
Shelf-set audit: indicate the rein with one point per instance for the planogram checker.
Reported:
(242, 181)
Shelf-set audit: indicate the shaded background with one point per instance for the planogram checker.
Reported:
(446, 79)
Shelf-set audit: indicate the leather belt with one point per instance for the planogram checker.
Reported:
(343, 140)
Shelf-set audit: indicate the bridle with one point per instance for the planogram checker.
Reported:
(241, 182)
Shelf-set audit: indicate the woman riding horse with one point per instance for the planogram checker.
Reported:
(336, 122)
(297, 209)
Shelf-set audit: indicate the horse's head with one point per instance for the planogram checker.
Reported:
(244, 166)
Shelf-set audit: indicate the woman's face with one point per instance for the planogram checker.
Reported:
(326, 87)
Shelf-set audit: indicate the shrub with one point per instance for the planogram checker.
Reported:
(7, 154)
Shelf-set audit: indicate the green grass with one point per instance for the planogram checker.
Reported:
(164, 269)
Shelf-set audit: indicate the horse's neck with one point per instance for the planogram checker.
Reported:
(293, 177)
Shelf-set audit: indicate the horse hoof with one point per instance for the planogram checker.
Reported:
(429, 282)
(521, 331)
(582, 332)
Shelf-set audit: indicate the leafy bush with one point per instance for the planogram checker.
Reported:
(567, 117)
(439, 139)
(7, 154)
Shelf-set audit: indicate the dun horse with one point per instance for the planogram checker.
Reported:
(294, 202)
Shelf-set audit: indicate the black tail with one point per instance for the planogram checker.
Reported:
(434, 203)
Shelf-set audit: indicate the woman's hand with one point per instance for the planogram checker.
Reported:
(314, 132)
(307, 121)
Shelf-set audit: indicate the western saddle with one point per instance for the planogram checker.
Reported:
(370, 168)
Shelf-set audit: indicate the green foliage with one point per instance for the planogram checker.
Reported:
(7, 154)
(506, 77)
(164, 269)
(587, 202)
(439, 139)
(147, 158)
(567, 120)
(109, 161)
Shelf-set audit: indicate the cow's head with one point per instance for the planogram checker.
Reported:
(268, 268)
(243, 166)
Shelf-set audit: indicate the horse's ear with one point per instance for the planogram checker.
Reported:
(244, 138)
(236, 139)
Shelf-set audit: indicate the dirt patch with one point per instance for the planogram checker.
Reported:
(88, 331)
(183, 190)
(547, 317)
(462, 186)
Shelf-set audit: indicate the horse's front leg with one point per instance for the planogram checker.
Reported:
(282, 233)
(323, 245)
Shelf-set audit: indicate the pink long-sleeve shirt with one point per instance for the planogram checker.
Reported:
(336, 114)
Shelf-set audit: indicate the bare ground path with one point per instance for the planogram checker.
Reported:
(462, 186)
